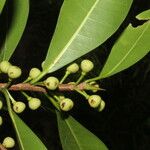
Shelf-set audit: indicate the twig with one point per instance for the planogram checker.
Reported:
(71, 87)
(29, 87)
(24, 87)
(2, 147)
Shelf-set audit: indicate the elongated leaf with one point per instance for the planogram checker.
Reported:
(19, 20)
(2, 3)
(145, 15)
(131, 47)
(75, 137)
(26, 138)
(81, 27)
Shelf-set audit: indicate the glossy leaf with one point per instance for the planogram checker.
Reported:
(81, 27)
(132, 46)
(2, 3)
(19, 20)
(26, 138)
(145, 15)
(76, 137)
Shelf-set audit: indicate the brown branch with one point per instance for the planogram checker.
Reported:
(2, 147)
(24, 87)
(71, 87)
(29, 87)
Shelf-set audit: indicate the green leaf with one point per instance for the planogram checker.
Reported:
(144, 15)
(131, 46)
(26, 137)
(19, 20)
(81, 27)
(2, 3)
(75, 137)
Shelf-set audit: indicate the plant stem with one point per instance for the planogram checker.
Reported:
(39, 84)
(53, 101)
(64, 77)
(8, 83)
(80, 78)
(92, 79)
(24, 87)
(83, 93)
(35, 88)
(10, 97)
(26, 95)
(39, 77)
(2, 147)
(27, 80)
(57, 98)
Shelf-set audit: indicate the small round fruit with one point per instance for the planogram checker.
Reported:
(14, 72)
(51, 83)
(94, 101)
(34, 103)
(4, 65)
(19, 107)
(101, 106)
(73, 68)
(66, 104)
(1, 104)
(87, 65)
(34, 72)
(8, 142)
(1, 120)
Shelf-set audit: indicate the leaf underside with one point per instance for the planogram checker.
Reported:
(75, 137)
(81, 27)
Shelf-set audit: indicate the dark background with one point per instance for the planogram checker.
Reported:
(125, 122)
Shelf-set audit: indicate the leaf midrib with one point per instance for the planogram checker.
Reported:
(73, 36)
(20, 140)
(74, 135)
(122, 60)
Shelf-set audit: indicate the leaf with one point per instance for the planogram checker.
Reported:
(81, 27)
(2, 3)
(131, 46)
(144, 15)
(75, 137)
(26, 138)
(19, 20)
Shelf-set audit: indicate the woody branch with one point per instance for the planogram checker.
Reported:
(29, 87)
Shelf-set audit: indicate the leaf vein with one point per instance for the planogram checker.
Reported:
(122, 60)
(73, 36)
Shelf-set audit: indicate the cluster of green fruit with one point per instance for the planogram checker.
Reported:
(52, 83)
(67, 104)
(14, 72)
